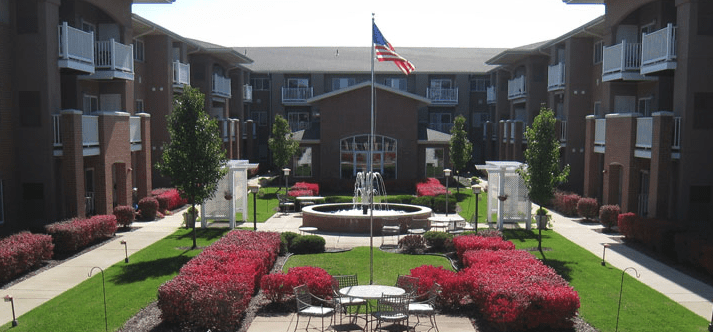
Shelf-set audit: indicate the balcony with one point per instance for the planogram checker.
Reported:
(221, 86)
(76, 48)
(658, 50)
(441, 126)
(555, 77)
(247, 93)
(442, 96)
(90, 135)
(181, 74)
(644, 137)
(227, 129)
(517, 88)
(112, 60)
(492, 95)
(296, 95)
(623, 62)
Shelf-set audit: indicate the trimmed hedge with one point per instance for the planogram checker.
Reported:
(439, 204)
(431, 187)
(566, 203)
(74, 234)
(473, 242)
(213, 289)
(307, 244)
(279, 287)
(304, 189)
(21, 252)
(609, 215)
(148, 206)
(412, 244)
(629, 225)
(438, 241)
(124, 215)
(587, 208)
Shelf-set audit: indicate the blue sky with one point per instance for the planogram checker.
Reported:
(445, 23)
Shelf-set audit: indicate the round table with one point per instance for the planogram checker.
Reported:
(371, 291)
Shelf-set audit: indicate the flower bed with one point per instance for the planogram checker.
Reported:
(279, 286)
(304, 189)
(213, 289)
(432, 187)
(71, 235)
(22, 251)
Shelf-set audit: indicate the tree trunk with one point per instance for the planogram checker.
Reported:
(193, 207)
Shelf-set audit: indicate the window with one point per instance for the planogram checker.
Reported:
(646, 29)
(598, 109)
(259, 117)
(354, 154)
(479, 118)
(303, 163)
(441, 121)
(434, 162)
(598, 51)
(297, 83)
(260, 84)
(342, 82)
(479, 84)
(30, 108)
(396, 83)
(89, 27)
(298, 120)
(90, 104)
(138, 50)
(441, 83)
(645, 106)
(139, 106)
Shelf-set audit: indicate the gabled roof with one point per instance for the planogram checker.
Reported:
(357, 59)
(516, 54)
(226, 54)
(368, 83)
(593, 28)
(433, 136)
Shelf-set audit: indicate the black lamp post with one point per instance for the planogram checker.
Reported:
(106, 321)
(286, 172)
(447, 173)
(476, 190)
(254, 189)
(126, 251)
(8, 298)
(604, 252)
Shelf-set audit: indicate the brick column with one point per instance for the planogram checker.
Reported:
(115, 153)
(620, 147)
(143, 158)
(73, 163)
(660, 170)
(591, 167)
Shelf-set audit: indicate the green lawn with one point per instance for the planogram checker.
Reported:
(387, 266)
(129, 288)
(642, 308)
(267, 204)
(466, 202)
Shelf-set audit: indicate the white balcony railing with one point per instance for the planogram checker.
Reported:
(556, 77)
(111, 55)
(221, 86)
(296, 95)
(135, 129)
(492, 95)
(600, 134)
(441, 126)
(517, 88)
(90, 131)
(621, 58)
(563, 131)
(247, 93)
(76, 48)
(644, 130)
(181, 73)
(57, 130)
(658, 50)
(442, 95)
(676, 142)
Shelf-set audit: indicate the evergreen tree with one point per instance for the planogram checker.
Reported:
(194, 159)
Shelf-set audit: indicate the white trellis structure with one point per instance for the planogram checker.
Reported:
(507, 194)
(231, 196)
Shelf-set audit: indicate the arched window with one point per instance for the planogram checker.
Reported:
(354, 152)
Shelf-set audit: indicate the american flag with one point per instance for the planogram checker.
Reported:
(386, 52)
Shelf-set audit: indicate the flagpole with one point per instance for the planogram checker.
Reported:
(369, 163)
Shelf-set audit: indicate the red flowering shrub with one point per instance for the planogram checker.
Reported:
(587, 208)
(162, 203)
(475, 242)
(213, 289)
(148, 206)
(21, 252)
(566, 203)
(71, 235)
(124, 215)
(168, 199)
(432, 187)
(310, 189)
(628, 225)
(277, 287)
(451, 295)
(609, 215)
(299, 192)
(317, 280)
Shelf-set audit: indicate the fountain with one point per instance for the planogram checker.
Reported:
(355, 217)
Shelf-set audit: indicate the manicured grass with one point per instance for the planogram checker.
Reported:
(267, 203)
(129, 288)
(642, 308)
(466, 201)
(387, 266)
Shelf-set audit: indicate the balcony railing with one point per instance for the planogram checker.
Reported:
(245, 130)
(296, 95)
(221, 86)
(563, 131)
(114, 56)
(442, 95)
(676, 142)
(90, 130)
(441, 126)
(135, 131)
(57, 130)
(600, 135)
(556, 77)
(658, 50)
(622, 61)
(247, 93)
(181, 73)
(644, 126)
(517, 88)
(76, 48)
(492, 95)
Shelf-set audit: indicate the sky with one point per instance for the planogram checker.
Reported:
(414, 23)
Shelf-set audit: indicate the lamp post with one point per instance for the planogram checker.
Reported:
(604, 253)
(8, 298)
(620, 290)
(286, 172)
(126, 251)
(476, 191)
(447, 173)
(106, 321)
(254, 189)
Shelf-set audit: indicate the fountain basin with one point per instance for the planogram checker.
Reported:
(342, 218)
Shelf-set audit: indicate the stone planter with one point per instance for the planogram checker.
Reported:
(542, 221)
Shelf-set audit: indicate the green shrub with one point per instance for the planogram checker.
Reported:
(412, 244)
(286, 239)
(337, 199)
(401, 199)
(426, 201)
(307, 244)
(439, 204)
(438, 241)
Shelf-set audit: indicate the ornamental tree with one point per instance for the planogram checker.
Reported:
(194, 159)
(281, 144)
(461, 148)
